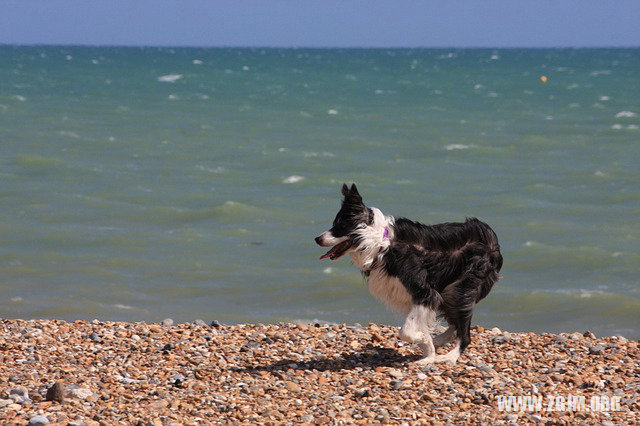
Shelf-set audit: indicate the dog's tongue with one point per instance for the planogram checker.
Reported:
(337, 250)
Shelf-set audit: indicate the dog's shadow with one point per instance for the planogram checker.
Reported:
(368, 359)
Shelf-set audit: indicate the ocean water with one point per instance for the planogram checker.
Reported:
(145, 183)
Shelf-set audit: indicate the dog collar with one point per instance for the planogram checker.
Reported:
(385, 234)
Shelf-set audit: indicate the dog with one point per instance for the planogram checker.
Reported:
(423, 272)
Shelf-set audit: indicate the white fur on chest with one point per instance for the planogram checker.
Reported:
(390, 291)
(373, 242)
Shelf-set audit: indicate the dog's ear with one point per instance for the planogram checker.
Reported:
(354, 191)
(345, 190)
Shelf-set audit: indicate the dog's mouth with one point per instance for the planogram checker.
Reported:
(338, 250)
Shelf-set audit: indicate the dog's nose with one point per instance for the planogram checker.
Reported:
(319, 240)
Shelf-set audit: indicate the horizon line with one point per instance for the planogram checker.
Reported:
(328, 47)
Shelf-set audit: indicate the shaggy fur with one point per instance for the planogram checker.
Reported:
(420, 271)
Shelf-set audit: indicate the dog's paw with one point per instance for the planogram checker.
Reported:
(446, 359)
(424, 361)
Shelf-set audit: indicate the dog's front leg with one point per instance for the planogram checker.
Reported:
(416, 330)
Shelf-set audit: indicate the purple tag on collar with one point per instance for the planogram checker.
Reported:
(385, 235)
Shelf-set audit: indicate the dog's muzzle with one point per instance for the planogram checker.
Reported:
(338, 246)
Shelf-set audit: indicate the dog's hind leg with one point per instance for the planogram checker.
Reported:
(445, 337)
(416, 329)
(463, 330)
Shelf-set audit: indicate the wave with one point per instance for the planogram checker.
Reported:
(170, 78)
(38, 163)
(293, 179)
(456, 146)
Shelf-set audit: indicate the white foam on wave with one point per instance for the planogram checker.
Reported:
(616, 126)
(633, 127)
(604, 98)
(124, 307)
(599, 72)
(173, 97)
(626, 114)
(170, 78)
(197, 62)
(318, 154)
(20, 98)
(328, 270)
(17, 299)
(293, 179)
(215, 170)
(69, 134)
(332, 112)
(586, 294)
(456, 146)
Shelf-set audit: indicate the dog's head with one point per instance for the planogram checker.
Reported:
(352, 217)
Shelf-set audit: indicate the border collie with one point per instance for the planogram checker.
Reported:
(422, 272)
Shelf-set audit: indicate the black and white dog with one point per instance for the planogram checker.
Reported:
(422, 272)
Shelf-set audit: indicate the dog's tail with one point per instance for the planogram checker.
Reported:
(487, 259)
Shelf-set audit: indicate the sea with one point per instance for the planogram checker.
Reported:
(138, 184)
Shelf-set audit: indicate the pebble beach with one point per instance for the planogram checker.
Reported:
(104, 373)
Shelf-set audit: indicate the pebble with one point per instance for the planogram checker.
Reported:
(292, 387)
(39, 420)
(320, 373)
(80, 393)
(395, 373)
(560, 340)
(167, 322)
(56, 392)
(500, 340)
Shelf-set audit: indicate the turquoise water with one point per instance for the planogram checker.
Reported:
(140, 184)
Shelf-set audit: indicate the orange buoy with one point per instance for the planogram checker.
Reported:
(543, 79)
